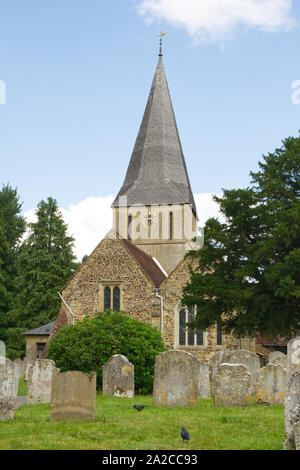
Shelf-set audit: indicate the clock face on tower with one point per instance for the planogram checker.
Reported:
(150, 218)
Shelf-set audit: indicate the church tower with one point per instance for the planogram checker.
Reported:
(155, 208)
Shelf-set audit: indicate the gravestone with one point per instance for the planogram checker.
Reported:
(297, 435)
(248, 359)
(204, 381)
(272, 384)
(277, 357)
(292, 410)
(73, 396)
(176, 379)
(20, 366)
(39, 381)
(217, 359)
(27, 364)
(9, 381)
(232, 386)
(293, 354)
(118, 377)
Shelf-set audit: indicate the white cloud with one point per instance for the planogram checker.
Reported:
(91, 219)
(218, 20)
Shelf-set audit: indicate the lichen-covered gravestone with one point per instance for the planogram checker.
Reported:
(118, 377)
(176, 379)
(293, 354)
(27, 364)
(277, 357)
(220, 357)
(292, 410)
(248, 359)
(73, 396)
(9, 381)
(232, 386)
(39, 381)
(272, 384)
(204, 380)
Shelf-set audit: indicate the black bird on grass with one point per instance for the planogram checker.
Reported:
(139, 407)
(185, 434)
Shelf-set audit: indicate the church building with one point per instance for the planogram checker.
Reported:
(139, 267)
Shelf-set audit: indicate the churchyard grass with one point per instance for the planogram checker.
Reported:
(119, 426)
(22, 387)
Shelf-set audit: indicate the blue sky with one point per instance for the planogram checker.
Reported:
(78, 74)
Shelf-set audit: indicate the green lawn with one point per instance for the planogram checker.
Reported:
(22, 387)
(118, 426)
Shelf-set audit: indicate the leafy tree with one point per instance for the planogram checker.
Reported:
(89, 344)
(45, 262)
(247, 275)
(12, 227)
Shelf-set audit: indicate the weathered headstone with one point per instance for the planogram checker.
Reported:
(73, 396)
(39, 381)
(248, 359)
(272, 384)
(2, 352)
(9, 381)
(118, 377)
(231, 386)
(297, 435)
(277, 357)
(176, 379)
(20, 366)
(293, 354)
(204, 381)
(292, 410)
(220, 357)
(27, 364)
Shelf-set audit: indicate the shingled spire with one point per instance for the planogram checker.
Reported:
(157, 171)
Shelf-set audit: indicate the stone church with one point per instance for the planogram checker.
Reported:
(139, 267)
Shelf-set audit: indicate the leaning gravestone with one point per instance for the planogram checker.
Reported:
(39, 381)
(293, 354)
(272, 384)
(204, 381)
(9, 381)
(292, 410)
(118, 377)
(231, 386)
(73, 396)
(176, 379)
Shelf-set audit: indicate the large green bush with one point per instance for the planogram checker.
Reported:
(89, 344)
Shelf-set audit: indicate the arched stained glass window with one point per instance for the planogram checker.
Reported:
(116, 299)
(107, 298)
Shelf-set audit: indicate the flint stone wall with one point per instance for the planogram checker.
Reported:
(176, 379)
(9, 382)
(73, 396)
(204, 381)
(272, 384)
(40, 381)
(293, 354)
(232, 386)
(118, 377)
(292, 410)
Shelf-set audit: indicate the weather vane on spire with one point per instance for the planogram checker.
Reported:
(160, 43)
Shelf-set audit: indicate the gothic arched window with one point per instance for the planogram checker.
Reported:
(106, 298)
(189, 336)
(116, 299)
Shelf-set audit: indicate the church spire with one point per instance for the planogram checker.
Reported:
(157, 171)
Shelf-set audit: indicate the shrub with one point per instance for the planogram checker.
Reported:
(89, 344)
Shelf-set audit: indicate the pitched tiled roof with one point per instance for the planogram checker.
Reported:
(271, 341)
(41, 330)
(146, 262)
